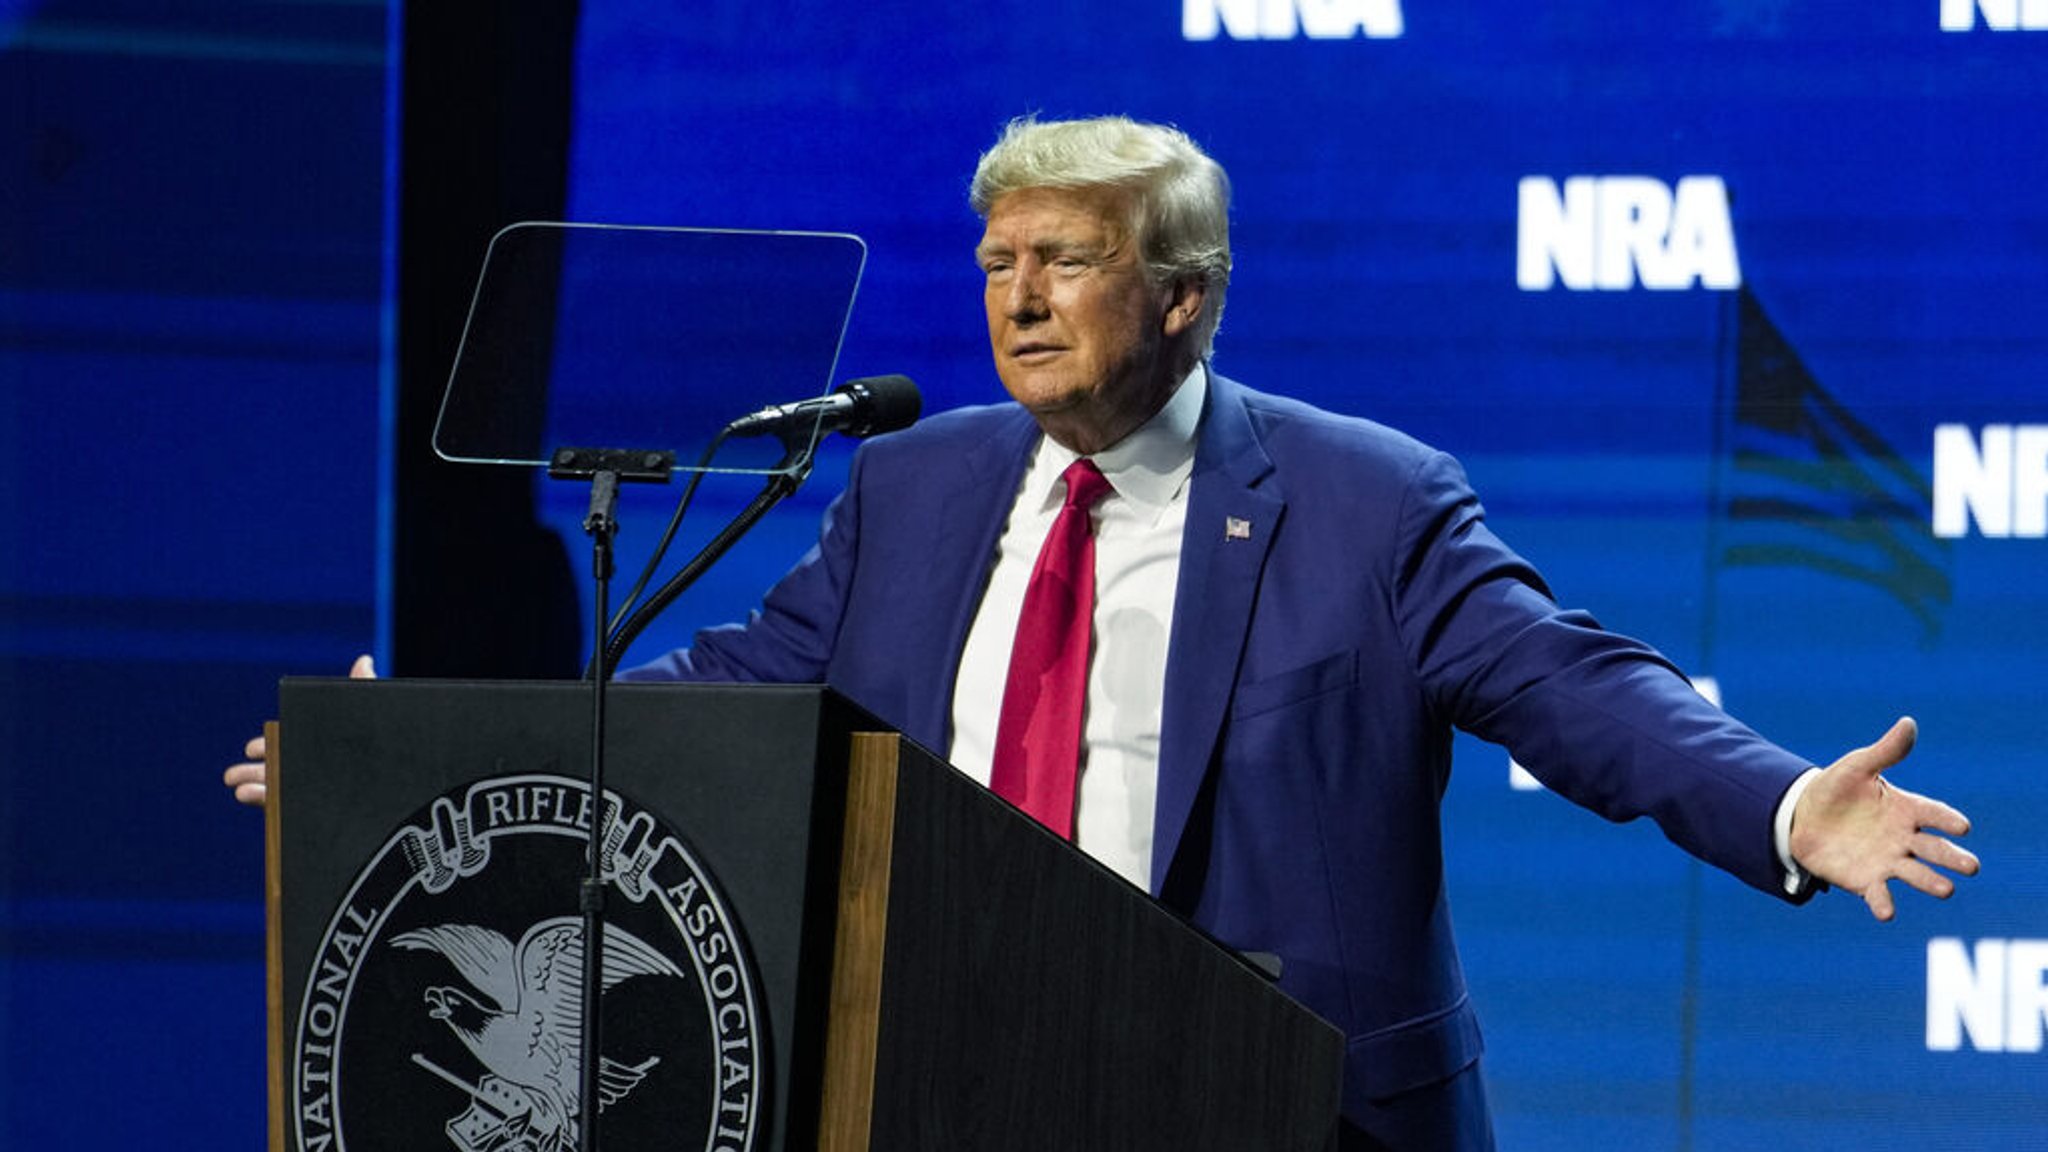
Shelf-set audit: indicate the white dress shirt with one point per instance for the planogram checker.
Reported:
(1137, 566)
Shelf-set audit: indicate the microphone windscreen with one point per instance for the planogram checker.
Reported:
(892, 402)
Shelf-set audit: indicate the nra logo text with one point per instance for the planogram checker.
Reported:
(1287, 19)
(1611, 233)
(1997, 478)
(1994, 997)
(1998, 15)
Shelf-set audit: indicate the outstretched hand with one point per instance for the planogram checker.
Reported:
(247, 778)
(1855, 831)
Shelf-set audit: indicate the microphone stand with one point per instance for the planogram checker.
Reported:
(605, 468)
(789, 475)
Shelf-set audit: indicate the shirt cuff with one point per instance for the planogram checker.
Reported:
(1798, 881)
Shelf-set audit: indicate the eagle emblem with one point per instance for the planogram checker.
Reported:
(521, 1017)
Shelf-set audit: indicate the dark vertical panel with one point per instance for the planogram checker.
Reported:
(480, 589)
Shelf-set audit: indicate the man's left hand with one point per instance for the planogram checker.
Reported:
(1855, 831)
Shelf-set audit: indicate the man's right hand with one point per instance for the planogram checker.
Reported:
(246, 778)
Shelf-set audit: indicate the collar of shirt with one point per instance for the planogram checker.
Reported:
(1148, 469)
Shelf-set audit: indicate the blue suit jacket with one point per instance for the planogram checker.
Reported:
(1316, 668)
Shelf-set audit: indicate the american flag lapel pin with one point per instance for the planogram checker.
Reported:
(1236, 529)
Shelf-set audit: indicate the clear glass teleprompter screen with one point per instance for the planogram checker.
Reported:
(600, 336)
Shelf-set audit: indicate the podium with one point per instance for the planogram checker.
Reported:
(819, 936)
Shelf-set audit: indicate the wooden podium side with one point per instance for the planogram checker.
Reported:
(846, 1099)
(994, 989)
(273, 942)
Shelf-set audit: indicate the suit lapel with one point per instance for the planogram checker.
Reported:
(1229, 534)
(962, 536)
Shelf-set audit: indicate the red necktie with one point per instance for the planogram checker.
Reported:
(1038, 738)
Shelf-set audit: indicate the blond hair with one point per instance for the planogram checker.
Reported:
(1180, 197)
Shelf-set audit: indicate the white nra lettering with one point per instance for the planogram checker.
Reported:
(1996, 994)
(1287, 19)
(1607, 233)
(1997, 478)
(1999, 15)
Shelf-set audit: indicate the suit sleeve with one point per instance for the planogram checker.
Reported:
(789, 639)
(1602, 719)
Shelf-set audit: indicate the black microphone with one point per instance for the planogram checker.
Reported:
(863, 407)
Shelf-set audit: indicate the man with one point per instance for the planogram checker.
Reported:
(1290, 611)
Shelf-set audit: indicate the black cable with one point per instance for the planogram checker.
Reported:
(667, 537)
(789, 475)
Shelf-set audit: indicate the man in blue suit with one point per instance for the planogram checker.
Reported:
(1291, 612)
(1269, 718)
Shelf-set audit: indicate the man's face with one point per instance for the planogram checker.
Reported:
(1081, 336)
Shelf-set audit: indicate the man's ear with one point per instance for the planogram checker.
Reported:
(1183, 305)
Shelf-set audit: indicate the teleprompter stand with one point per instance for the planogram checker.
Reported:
(931, 969)
(605, 469)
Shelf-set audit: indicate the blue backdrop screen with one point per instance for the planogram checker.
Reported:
(191, 300)
(1733, 312)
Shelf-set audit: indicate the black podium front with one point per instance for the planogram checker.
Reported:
(819, 935)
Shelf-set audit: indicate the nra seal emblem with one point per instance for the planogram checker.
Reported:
(444, 1009)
